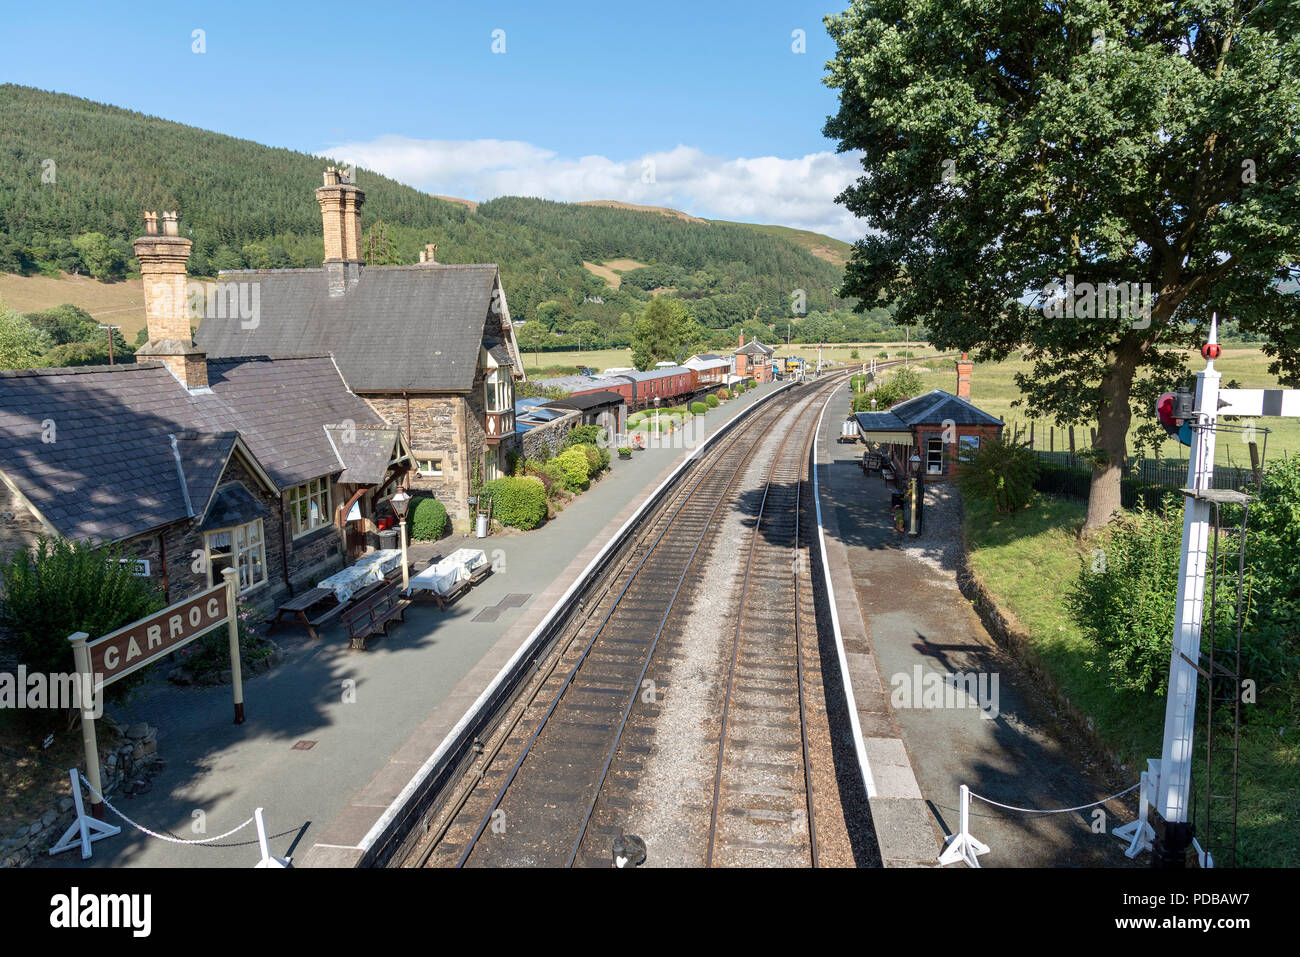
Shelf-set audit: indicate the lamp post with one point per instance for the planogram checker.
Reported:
(400, 500)
(658, 438)
(914, 522)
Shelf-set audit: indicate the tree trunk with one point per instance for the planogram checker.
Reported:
(1111, 442)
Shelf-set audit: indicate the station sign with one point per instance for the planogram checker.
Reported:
(143, 642)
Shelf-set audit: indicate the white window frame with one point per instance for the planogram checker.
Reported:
(933, 448)
(315, 497)
(497, 391)
(492, 464)
(432, 471)
(245, 549)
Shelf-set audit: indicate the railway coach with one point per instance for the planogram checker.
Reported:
(669, 385)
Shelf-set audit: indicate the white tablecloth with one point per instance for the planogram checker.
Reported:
(451, 571)
(370, 568)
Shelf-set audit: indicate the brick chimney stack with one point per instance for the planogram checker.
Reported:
(162, 272)
(742, 341)
(340, 210)
(427, 254)
(964, 370)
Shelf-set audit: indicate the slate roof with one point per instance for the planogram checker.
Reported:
(881, 422)
(936, 406)
(755, 348)
(416, 328)
(109, 469)
(573, 383)
(232, 505)
(365, 452)
(589, 400)
(651, 374)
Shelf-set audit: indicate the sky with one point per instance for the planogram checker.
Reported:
(700, 106)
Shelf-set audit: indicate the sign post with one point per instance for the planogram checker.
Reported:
(114, 656)
(81, 660)
(232, 627)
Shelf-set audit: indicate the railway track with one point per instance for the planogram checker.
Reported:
(558, 777)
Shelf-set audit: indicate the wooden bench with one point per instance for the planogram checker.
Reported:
(311, 609)
(371, 610)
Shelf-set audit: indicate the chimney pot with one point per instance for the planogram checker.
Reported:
(429, 250)
(170, 225)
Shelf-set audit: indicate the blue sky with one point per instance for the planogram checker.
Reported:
(703, 106)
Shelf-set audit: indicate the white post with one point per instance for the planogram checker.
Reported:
(1174, 786)
(406, 568)
(264, 845)
(1139, 833)
(962, 846)
(232, 630)
(84, 830)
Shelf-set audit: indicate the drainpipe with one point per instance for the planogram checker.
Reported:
(162, 560)
(284, 548)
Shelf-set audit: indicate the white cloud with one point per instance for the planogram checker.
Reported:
(796, 192)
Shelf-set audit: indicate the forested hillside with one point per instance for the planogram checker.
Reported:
(76, 175)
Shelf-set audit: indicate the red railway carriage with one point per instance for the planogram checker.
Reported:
(670, 385)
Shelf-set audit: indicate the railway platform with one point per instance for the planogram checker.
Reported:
(332, 736)
(908, 630)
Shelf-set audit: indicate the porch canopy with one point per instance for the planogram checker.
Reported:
(883, 427)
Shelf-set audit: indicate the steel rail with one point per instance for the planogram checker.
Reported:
(777, 460)
(717, 461)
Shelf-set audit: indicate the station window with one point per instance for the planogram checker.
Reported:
(934, 456)
(309, 506)
(430, 468)
(241, 547)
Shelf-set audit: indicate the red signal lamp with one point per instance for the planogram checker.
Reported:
(1170, 409)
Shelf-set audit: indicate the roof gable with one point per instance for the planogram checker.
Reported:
(400, 328)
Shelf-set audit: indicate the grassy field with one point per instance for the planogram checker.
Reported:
(1027, 561)
(121, 303)
(993, 389)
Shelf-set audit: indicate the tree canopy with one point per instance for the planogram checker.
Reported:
(1017, 154)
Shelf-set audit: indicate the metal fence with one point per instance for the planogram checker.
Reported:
(1061, 473)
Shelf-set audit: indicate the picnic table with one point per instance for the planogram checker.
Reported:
(367, 570)
(447, 578)
(311, 609)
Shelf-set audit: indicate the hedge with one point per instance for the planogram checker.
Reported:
(518, 502)
(577, 473)
(586, 435)
(724, 394)
(699, 408)
(712, 401)
(428, 519)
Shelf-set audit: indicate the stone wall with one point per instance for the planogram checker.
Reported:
(549, 436)
(437, 430)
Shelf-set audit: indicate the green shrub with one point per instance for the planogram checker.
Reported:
(577, 473)
(518, 502)
(1000, 471)
(59, 588)
(711, 401)
(699, 408)
(625, 451)
(586, 435)
(724, 394)
(428, 519)
(1124, 599)
(853, 353)
(514, 463)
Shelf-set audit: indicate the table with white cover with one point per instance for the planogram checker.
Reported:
(443, 577)
(369, 568)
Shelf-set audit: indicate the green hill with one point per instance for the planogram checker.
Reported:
(75, 177)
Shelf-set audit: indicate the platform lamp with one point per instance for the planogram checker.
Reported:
(915, 462)
(657, 436)
(400, 500)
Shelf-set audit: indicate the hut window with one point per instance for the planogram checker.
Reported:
(309, 506)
